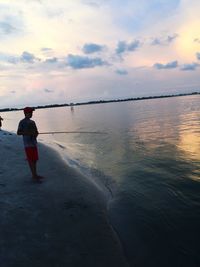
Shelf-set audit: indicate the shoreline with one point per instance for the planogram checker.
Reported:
(61, 222)
(105, 185)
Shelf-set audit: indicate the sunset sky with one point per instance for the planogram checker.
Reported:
(80, 50)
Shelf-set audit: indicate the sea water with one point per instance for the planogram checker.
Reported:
(147, 155)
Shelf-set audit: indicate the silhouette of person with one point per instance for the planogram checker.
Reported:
(1, 119)
(28, 129)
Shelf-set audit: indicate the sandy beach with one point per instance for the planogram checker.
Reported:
(61, 222)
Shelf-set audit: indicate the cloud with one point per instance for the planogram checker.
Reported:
(27, 57)
(198, 55)
(121, 72)
(4, 57)
(171, 38)
(6, 27)
(164, 40)
(188, 67)
(48, 90)
(83, 62)
(91, 4)
(51, 60)
(47, 52)
(46, 49)
(133, 45)
(54, 12)
(123, 46)
(12, 59)
(92, 48)
(170, 65)
(197, 40)
(11, 19)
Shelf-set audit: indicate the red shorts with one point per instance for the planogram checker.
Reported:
(31, 153)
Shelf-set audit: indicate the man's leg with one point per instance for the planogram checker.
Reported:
(32, 165)
(32, 157)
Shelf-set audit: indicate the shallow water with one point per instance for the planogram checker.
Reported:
(150, 155)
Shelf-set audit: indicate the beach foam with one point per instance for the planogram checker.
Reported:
(61, 222)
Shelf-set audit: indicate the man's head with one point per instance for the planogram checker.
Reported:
(28, 111)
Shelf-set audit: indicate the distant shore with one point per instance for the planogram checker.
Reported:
(103, 101)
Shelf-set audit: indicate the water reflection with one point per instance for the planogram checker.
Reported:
(189, 135)
(190, 144)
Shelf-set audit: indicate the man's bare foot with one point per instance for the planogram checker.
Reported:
(40, 177)
(37, 179)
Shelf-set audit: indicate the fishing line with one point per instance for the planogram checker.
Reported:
(73, 132)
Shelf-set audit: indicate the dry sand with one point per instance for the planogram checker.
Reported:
(61, 222)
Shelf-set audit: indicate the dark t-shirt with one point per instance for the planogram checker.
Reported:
(26, 125)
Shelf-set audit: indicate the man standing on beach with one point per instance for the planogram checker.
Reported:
(28, 129)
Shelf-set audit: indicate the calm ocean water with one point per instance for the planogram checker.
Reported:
(149, 159)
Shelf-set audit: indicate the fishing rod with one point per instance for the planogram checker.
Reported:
(72, 132)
